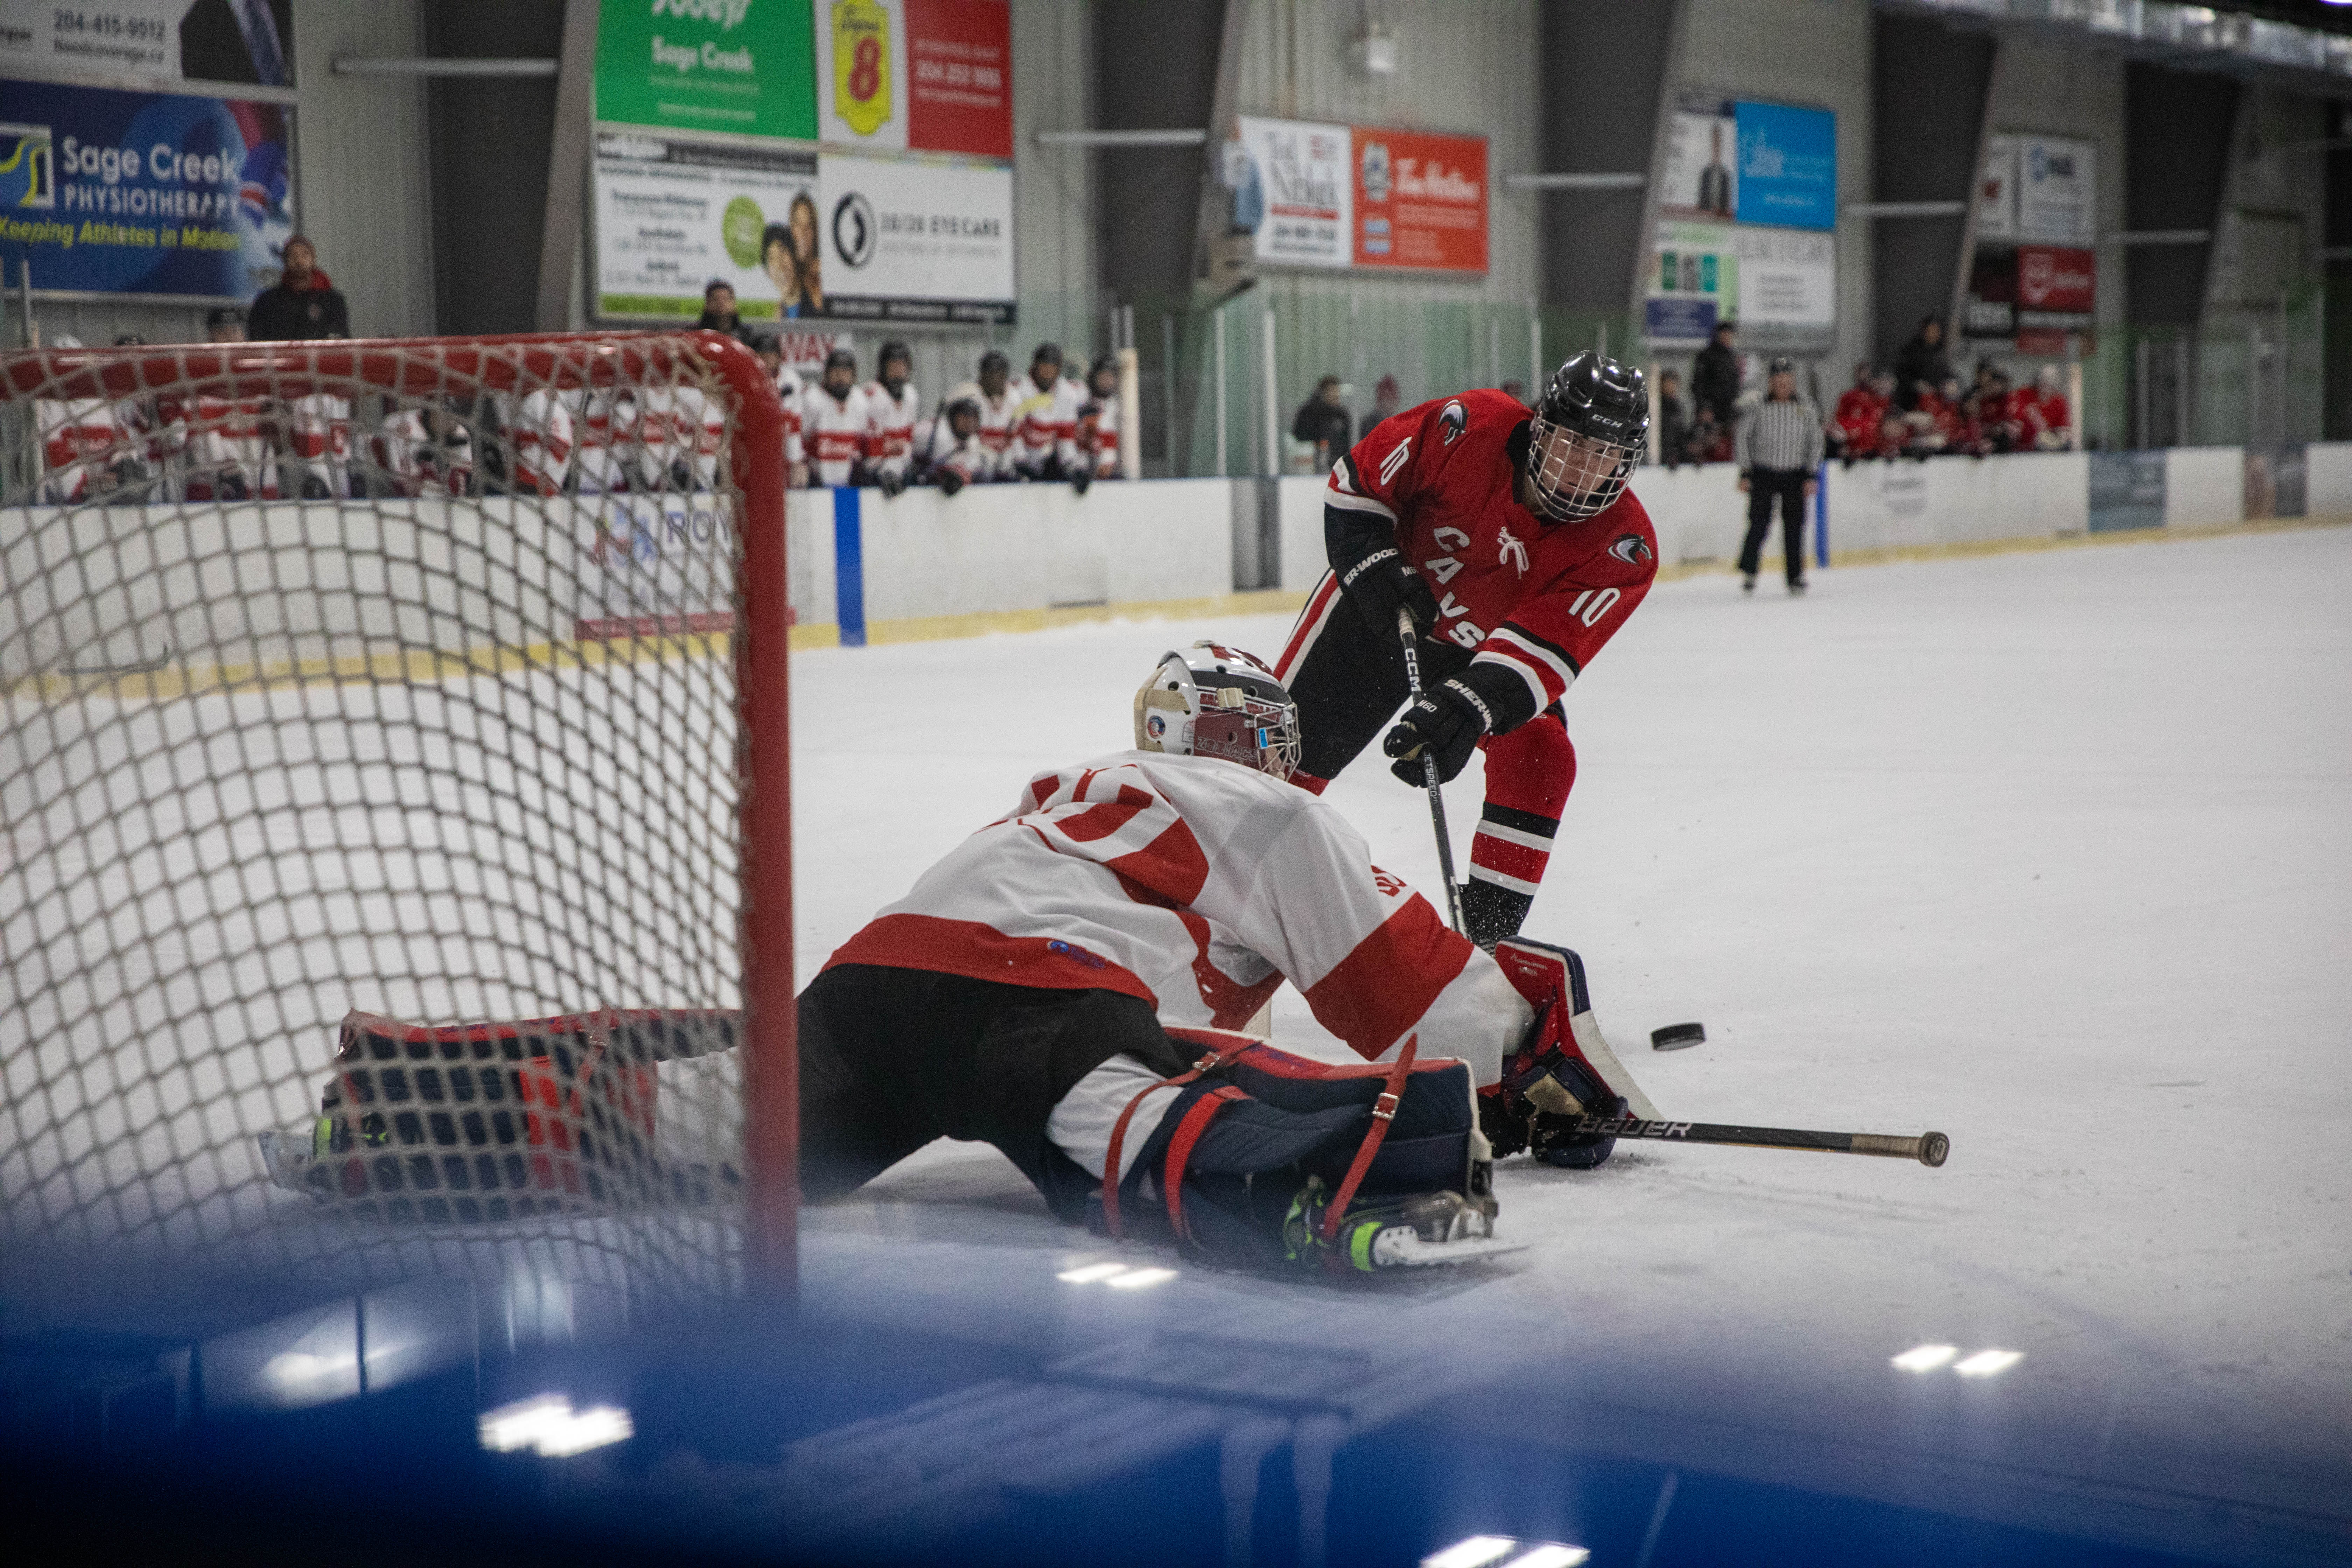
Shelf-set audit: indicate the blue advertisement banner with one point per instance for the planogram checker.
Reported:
(1788, 165)
(143, 192)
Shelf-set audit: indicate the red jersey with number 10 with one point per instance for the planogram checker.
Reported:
(1538, 597)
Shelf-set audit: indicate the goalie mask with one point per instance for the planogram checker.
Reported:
(1591, 428)
(1217, 701)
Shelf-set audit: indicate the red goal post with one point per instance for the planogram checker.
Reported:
(173, 586)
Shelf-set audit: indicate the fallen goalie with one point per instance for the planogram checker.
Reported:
(1066, 985)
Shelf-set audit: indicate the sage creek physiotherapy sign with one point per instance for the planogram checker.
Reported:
(799, 233)
(143, 192)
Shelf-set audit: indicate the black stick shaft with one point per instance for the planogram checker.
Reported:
(1408, 636)
(1927, 1148)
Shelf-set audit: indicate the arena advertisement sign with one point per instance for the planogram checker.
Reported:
(797, 233)
(1420, 200)
(743, 67)
(672, 215)
(138, 193)
(1778, 284)
(1295, 190)
(2039, 189)
(653, 565)
(1768, 164)
(1318, 194)
(167, 40)
(911, 239)
(923, 76)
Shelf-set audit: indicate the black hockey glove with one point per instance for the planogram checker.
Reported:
(950, 481)
(1081, 480)
(1451, 718)
(1379, 582)
(889, 482)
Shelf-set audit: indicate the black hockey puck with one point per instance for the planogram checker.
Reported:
(1677, 1036)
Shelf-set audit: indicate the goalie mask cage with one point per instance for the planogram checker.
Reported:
(442, 680)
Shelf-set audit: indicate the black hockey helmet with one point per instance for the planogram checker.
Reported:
(962, 407)
(1591, 427)
(841, 357)
(1047, 353)
(995, 360)
(896, 349)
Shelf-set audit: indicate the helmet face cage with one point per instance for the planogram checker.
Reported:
(1575, 475)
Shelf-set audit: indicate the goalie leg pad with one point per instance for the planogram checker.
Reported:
(1243, 1163)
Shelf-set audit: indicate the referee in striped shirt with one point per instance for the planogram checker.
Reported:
(1779, 451)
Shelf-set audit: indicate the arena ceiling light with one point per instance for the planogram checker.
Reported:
(1926, 1358)
(1989, 1364)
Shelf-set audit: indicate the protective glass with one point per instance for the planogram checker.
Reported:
(1572, 474)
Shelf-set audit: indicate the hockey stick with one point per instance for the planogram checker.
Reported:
(1928, 1148)
(1407, 636)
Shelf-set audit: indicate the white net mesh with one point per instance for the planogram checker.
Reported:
(394, 678)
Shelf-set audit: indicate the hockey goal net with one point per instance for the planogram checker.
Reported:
(433, 681)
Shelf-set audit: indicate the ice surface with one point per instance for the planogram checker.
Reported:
(2052, 852)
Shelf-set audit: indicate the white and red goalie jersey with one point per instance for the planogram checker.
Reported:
(891, 426)
(1048, 433)
(833, 432)
(1199, 885)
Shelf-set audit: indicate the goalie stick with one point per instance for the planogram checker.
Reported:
(1927, 1148)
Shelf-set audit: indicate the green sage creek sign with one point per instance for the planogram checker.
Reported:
(741, 67)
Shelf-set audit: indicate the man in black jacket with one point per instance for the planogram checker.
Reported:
(1715, 373)
(303, 305)
(1323, 420)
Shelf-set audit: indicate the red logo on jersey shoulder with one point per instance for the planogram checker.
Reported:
(1632, 549)
(1453, 419)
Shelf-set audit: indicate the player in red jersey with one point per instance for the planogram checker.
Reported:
(1511, 535)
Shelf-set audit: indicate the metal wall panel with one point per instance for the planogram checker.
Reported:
(363, 157)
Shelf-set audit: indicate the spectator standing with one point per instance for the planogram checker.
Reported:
(719, 314)
(1322, 422)
(1387, 399)
(1779, 449)
(1923, 364)
(1715, 373)
(303, 304)
(1674, 420)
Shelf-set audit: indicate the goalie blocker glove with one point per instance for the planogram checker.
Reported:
(1562, 1068)
(1451, 718)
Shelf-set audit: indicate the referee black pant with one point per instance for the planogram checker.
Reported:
(1789, 484)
